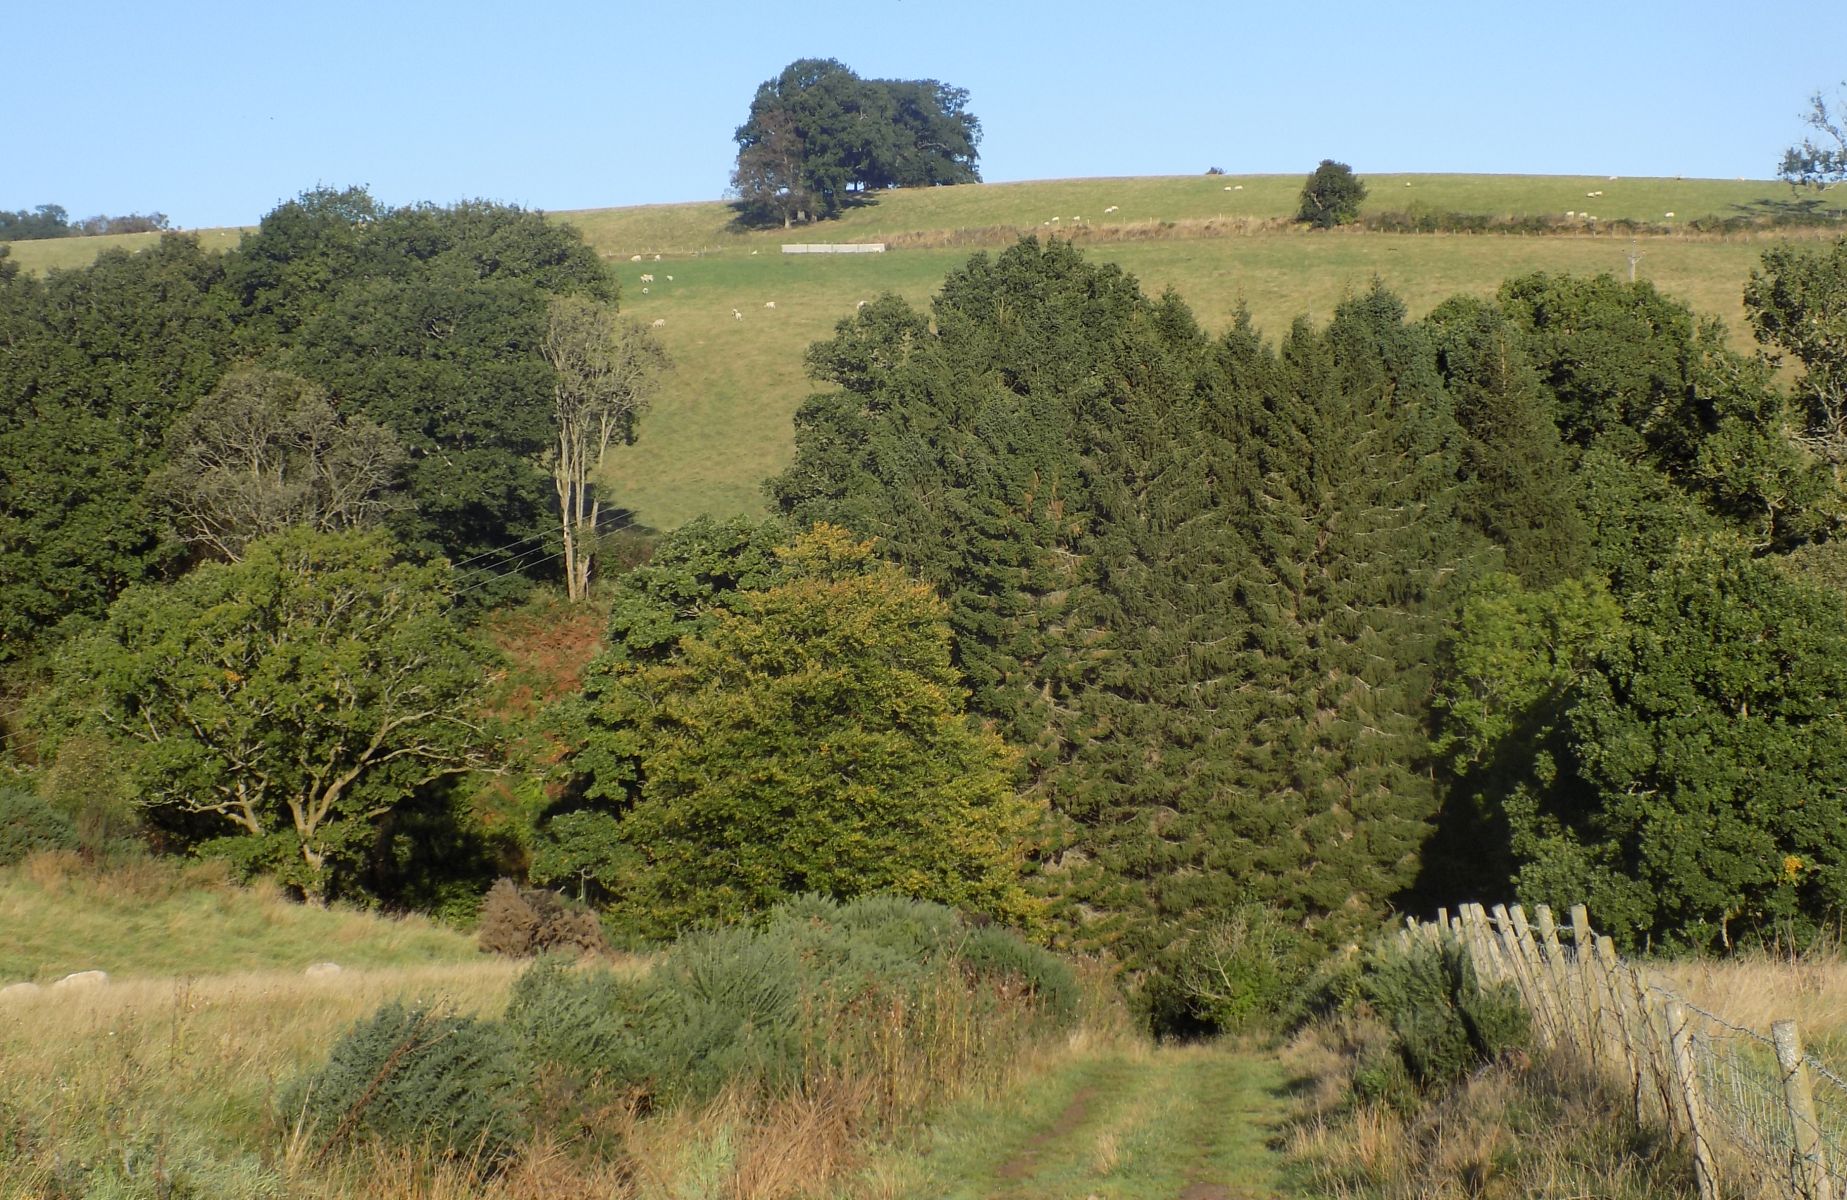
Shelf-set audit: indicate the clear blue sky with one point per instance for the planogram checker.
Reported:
(214, 112)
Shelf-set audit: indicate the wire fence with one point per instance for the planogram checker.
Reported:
(1759, 1115)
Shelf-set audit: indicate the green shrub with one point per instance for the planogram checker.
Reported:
(591, 1025)
(1242, 971)
(729, 1008)
(1444, 1023)
(416, 1075)
(28, 825)
(994, 953)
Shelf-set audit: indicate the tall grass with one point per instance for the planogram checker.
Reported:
(173, 1086)
(156, 917)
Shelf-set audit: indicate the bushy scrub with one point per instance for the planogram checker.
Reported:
(28, 825)
(1445, 1022)
(1241, 972)
(418, 1075)
(522, 922)
(903, 992)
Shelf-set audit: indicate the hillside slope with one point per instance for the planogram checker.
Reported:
(722, 420)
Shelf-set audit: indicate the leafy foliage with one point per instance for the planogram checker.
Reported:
(1331, 197)
(290, 700)
(1712, 738)
(811, 739)
(28, 825)
(818, 133)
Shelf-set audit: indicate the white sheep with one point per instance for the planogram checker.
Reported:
(669, 279)
(1238, 188)
(1109, 210)
(1228, 187)
(769, 304)
(1670, 216)
(659, 321)
(753, 251)
(644, 291)
(634, 258)
(657, 258)
(737, 314)
(647, 279)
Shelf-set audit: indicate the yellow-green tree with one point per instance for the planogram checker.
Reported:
(813, 739)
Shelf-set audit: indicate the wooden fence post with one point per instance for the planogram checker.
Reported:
(1545, 1003)
(1810, 1168)
(1680, 1041)
(1628, 1038)
(1556, 970)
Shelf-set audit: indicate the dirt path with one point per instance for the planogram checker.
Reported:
(1186, 1123)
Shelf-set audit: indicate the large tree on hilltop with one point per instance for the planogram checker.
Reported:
(818, 133)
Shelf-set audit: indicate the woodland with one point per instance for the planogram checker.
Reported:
(1067, 613)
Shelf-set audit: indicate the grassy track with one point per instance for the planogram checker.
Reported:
(1191, 1123)
(722, 420)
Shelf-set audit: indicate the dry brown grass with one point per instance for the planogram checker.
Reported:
(1521, 1128)
(161, 1086)
(1756, 989)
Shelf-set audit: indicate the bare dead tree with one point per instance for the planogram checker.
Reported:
(605, 371)
(266, 450)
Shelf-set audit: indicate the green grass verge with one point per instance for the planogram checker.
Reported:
(1136, 1124)
(155, 920)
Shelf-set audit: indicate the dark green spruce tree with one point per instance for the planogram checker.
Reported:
(1357, 553)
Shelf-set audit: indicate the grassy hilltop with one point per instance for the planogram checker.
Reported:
(721, 423)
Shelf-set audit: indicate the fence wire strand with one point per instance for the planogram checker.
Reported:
(1742, 1099)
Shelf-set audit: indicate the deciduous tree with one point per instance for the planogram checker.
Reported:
(285, 704)
(813, 738)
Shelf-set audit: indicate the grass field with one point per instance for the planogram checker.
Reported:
(153, 919)
(721, 423)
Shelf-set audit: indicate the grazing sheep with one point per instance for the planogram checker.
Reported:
(83, 979)
(1229, 188)
(1570, 212)
(1670, 216)
(669, 279)
(634, 258)
(1238, 188)
(1109, 210)
(657, 258)
(859, 306)
(753, 251)
(769, 304)
(659, 321)
(647, 279)
(737, 314)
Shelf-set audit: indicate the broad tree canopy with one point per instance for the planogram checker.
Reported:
(818, 133)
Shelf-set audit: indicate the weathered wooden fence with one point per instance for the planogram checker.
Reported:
(1756, 1111)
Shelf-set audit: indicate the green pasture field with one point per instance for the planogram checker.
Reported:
(156, 919)
(721, 422)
